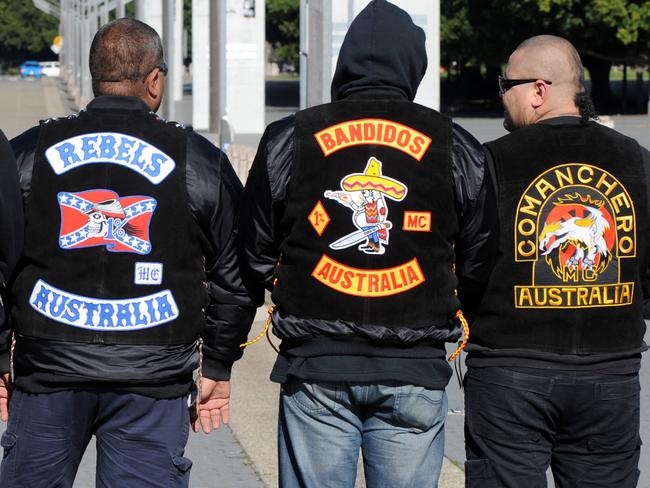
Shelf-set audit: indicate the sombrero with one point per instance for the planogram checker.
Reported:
(371, 179)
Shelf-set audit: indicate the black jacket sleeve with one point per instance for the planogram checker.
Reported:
(24, 147)
(11, 239)
(477, 240)
(645, 154)
(263, 205)
(215, 195)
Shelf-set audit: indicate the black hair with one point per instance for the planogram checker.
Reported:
(586, 107)
(124, 50)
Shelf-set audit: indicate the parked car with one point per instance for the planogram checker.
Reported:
(50, 68)
(31, 68)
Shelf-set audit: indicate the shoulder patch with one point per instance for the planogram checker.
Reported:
(110, 148)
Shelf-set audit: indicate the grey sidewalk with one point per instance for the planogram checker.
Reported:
(24, 102)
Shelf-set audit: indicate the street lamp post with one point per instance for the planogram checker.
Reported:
(169, 105)
(217, 51)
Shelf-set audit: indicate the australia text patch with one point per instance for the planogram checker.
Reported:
(98, 314)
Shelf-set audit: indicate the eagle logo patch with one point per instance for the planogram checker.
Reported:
(574, 224)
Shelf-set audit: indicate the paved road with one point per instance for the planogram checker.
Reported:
(24, 102)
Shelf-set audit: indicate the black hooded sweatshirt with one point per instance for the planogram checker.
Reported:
(383, 57)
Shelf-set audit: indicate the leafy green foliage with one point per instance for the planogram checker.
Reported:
(488, 30)
(25, 32)
(283, 30)
(478, 33)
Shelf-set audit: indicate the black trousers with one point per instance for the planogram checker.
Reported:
(520, 421)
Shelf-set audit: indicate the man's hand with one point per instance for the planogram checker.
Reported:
(213, 406)
(5, 396)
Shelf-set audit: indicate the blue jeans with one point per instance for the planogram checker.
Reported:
(140, 440)
(322, 425)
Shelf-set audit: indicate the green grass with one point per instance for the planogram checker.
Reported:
(283, 77)
(617, 74)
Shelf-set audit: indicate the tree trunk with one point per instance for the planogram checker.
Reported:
(601, 93)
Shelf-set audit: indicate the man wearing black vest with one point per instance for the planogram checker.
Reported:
(555, 350)
(350, 216)
(11, 234)
(128, 281)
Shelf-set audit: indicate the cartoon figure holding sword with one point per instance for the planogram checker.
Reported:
(365, 194)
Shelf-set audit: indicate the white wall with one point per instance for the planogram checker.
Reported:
(152, 14)
(201, 64)
(245, 60)
(425, 14)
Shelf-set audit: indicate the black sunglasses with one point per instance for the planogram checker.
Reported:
(505, 84)
(163, 68)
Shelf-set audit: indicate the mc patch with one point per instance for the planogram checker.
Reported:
(102, 218)
(574, 223)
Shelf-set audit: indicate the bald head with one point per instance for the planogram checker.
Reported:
(545, 80)
(550, 58)
(122, 53)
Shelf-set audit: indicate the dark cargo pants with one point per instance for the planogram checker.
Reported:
(520, 421)
(140, 440)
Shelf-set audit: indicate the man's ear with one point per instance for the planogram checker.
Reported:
(155, 84)
(540, 95)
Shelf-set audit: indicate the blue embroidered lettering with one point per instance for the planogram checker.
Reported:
(124, 315)
(57, 310)
(124, 151)
(107, 147)
(41, 298)
(67, 154)
(72, 311)
(106, 312)
(164, 308)
(91, 308)
(88, 147)
(140, 318)
(157, 160)
(97, 314)
(137, 157)
(150, 308)
(111, 148)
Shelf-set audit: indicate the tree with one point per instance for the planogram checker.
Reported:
(603, 31)
(25, 32)
(283, 30)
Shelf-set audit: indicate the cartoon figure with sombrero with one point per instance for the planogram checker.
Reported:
(365, 194)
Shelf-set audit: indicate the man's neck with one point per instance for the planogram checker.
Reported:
(563, 111)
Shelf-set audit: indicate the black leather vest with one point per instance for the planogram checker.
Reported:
(370, 217)
(573, 234)
(112, 253)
